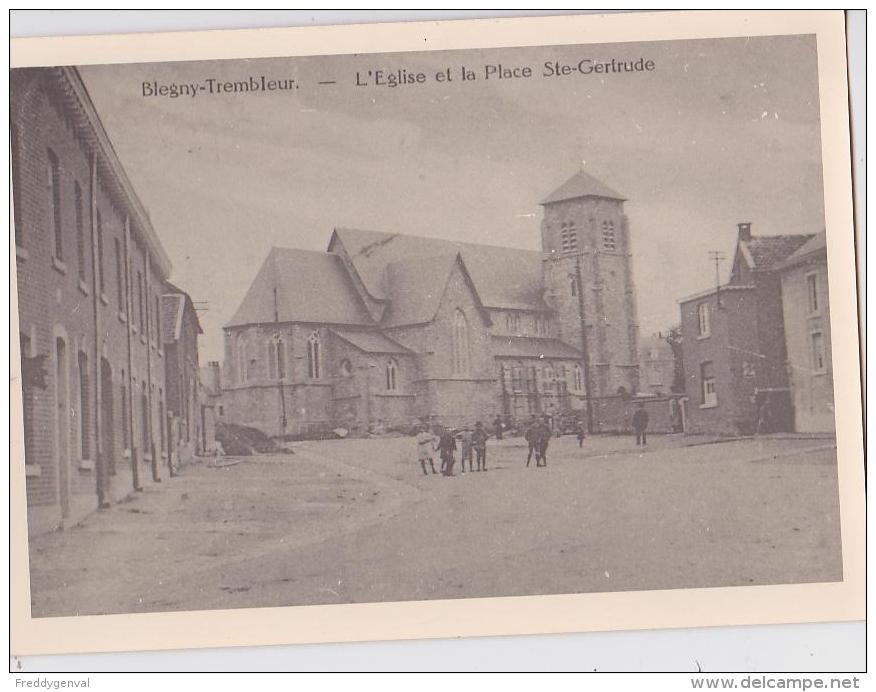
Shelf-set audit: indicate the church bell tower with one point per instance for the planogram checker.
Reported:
(588, 280)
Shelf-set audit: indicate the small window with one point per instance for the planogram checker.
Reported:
(609, 242)
(158, 320)
(313, 356)
(812, 292)
(346, 368)
(84, 408)
(54, 182)
(391, 376)
(704, 325)
(573, 284)
(99, 227)
(120, 287)
(818, 358)
(80, 229)
(707, 379)
(140, 310)
(568, 236)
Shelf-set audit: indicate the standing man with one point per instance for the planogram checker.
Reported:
(542, 439)
(466, 444)
(479, 440)
(497, 427)
(531, 437)
(640, 424)
(581, 431)
(446, 447)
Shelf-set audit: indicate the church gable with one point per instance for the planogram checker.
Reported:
(301, 286)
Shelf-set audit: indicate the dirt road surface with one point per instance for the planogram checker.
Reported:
(356, 521)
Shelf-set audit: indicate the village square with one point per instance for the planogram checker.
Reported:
(400, 416)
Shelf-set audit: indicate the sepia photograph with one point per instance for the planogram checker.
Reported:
(380, 327)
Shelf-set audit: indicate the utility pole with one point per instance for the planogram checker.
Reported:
(585, 349)
(717, 257)
(280, 375)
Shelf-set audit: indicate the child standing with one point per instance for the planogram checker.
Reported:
(425, 442)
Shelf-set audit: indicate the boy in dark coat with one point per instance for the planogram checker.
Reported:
(640, 424)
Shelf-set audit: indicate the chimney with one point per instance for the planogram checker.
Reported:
(744, 230)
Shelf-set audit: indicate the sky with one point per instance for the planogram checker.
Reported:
(720, 131)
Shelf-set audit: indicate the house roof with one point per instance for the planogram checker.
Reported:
(712, 291)
(503, 277)
(532, 347)
(817, 244)
(765, 252)
(310, 287)
(582, 185)
(370, 341)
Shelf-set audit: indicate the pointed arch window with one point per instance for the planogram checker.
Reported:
(313, 356)
(573, 284)
(579, 378)
(461, 353)
(276, 358)
(391, 375)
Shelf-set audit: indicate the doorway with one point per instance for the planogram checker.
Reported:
(62, 425)
(107, 429)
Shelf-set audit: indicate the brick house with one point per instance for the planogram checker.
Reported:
(807, 334)
(733, 343)
(182, 374)
(382, 329)
(90, 276)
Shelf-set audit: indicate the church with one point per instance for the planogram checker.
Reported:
(383, 329)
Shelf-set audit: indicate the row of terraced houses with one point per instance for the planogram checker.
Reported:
(110, 394)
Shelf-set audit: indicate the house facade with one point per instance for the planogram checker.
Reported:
(185, 424)
(733, 342)
(656, 365)
(387, 328)
(90, 279)
(807, 333)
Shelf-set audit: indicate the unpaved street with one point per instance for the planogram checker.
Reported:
(356, 521)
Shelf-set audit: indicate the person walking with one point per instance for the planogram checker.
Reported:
(640, 425)
(531, 437)
(479, 440)
(581, 431)
(425, 447)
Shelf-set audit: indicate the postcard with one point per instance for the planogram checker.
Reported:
(433, 330)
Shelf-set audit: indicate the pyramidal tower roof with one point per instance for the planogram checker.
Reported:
(582, 185)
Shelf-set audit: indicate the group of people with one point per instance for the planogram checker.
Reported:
(473, 442)
(472, 445)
